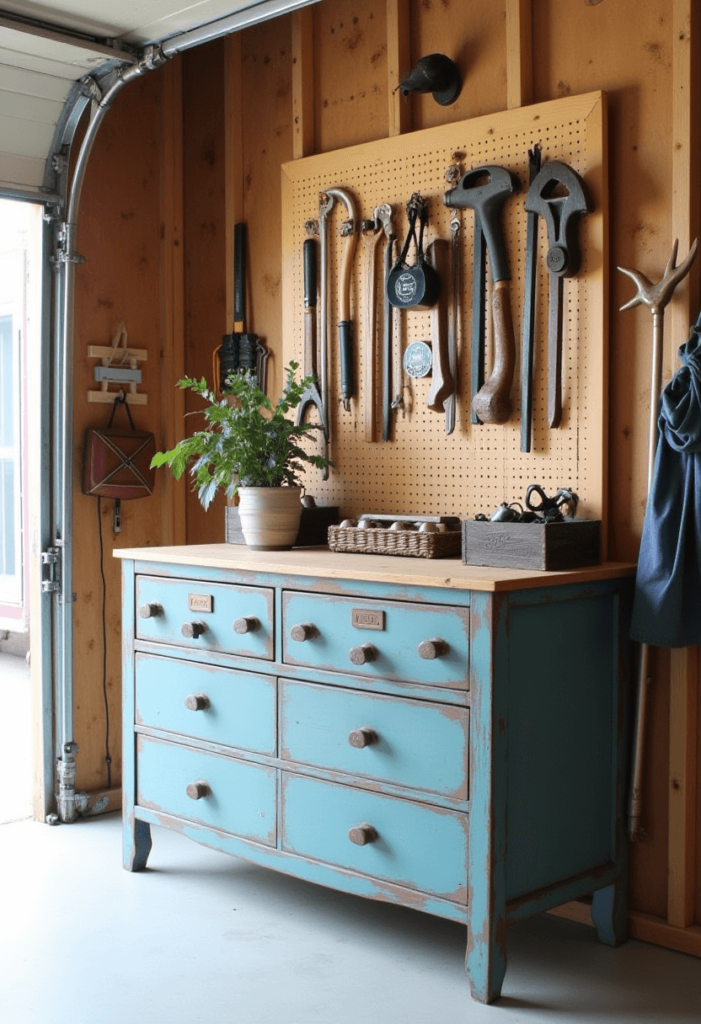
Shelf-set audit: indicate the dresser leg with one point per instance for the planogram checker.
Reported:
(609, 914)
(137, 844)
(486, 964)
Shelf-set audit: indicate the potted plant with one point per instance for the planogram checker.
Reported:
(250, 449)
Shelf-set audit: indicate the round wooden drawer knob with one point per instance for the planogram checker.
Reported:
(363, 654)
(197, 790)
(193, 629)
(246, 624)
(430, 649)
(362, 835)
(304, 631)
(150, 611)
(363, 737)
(197, 702)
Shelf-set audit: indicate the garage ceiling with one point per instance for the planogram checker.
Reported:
(46, 47)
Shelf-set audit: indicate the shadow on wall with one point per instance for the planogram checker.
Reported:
(16, 644)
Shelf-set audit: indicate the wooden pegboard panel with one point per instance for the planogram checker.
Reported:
(422, 470)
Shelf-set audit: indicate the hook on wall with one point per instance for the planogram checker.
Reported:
(437, 74)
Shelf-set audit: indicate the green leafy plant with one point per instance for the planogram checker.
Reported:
(242, 446)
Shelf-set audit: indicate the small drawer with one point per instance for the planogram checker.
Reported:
(238, 709)
(395, 640)
(205, 616)
(409, 743)
(210, 789)
(399, 841)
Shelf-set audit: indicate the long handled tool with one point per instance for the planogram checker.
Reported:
(442, 386)
(656, 298)
(311, 396)
(558, 194)
(372, 233)
(325, 207)
(484, 190)
(529, 309)
(384, 214)
(345, 326)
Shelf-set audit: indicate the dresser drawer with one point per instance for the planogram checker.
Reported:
(227, 794)
(410, 844)
(420, 643)
(409, 743)
(205, 616)
(238, 709)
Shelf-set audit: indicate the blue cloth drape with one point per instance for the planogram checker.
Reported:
(667, 605)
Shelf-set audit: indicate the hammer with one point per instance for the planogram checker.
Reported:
(484, 190)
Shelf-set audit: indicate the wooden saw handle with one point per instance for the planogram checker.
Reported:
(442, 384)
(492, 403)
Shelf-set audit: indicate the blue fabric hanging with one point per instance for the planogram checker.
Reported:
(667, 605)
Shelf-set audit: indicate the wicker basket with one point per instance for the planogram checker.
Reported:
(382, 541)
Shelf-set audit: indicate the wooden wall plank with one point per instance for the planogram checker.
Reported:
(267, 85)
(351, 73)
(206, 246)
(519, 53)
(303, 140)
(233, 162)
(683, 766)
(172, 311)
(398, 63)
(119, 234)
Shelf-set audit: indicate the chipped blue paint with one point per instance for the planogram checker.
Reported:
(241, 709)
(418, 745)
(544, 745)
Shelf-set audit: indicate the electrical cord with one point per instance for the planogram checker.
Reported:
(108, 755)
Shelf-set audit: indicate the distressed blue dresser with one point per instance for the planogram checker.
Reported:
(437, 735)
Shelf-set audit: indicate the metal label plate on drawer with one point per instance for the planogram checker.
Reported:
(200, 602)
(367, 618)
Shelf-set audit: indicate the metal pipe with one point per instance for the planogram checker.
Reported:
(65, 260)
(252, 15)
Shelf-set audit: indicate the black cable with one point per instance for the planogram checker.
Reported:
(108, 756)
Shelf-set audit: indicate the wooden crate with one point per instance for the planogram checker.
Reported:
(568, 545)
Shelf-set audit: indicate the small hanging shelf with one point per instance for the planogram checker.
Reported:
(119, 367)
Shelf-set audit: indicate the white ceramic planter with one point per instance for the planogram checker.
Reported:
(270, 516)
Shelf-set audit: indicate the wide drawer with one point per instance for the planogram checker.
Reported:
(223, 705)
(227, 794)
(377, 639)
(408, 844)
(205, 616)
(410, 743)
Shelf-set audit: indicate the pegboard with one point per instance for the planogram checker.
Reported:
(422, 469)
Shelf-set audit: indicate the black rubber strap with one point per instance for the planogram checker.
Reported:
(121, 399)
(239, 272)
(309, 254)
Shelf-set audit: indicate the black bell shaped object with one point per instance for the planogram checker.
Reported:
(436, 74)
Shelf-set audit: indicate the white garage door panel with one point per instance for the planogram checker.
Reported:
(32, 62)
(14, 106)
(21, 171)
(25, 138)
(82, 58)
(32, 83)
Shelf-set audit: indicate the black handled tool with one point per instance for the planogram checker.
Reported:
(529, 309)
(349, 232)
(311, 395)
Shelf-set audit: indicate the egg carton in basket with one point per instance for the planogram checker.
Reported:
(412, 536)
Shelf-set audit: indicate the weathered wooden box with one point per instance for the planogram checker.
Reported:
(568, 545)
(313, 526)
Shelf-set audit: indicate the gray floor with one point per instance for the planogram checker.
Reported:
(15, 736)
(201, 937)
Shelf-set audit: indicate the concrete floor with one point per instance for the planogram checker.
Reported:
(15, 738)
(201, 938)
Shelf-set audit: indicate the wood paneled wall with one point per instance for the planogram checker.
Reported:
(199, 144)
